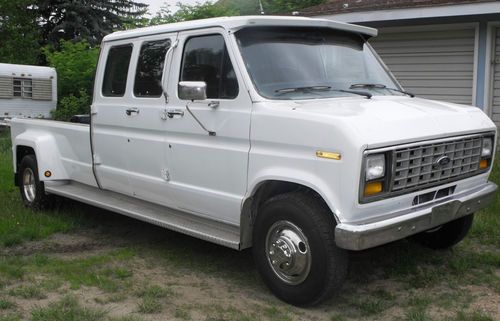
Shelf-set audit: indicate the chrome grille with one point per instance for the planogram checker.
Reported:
(414, 167)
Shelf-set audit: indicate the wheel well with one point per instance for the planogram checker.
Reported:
(22, 151)
(272, 188)
(264, 192)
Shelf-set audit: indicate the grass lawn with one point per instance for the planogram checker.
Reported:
(81, 263)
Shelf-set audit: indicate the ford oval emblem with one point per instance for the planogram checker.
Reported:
(442, 161)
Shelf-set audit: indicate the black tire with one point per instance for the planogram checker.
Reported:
(447, 235)
(328, 263)
(33, 197)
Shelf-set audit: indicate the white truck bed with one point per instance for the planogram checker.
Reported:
(62, 148)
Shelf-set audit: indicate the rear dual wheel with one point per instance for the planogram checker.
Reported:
(294, 249)
(31, 188)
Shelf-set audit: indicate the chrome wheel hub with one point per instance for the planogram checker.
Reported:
(288, 252)
(29, 185)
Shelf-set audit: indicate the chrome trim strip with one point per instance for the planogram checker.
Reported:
(430, 141)
(414, 220)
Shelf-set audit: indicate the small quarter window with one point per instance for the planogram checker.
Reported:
(150, 68)
(206, 59)
(116, 72)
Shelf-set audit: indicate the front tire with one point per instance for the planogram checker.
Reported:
(294, 249)
(447, 235)
(32, 190)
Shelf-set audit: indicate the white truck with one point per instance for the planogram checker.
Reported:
(27, 91)
(285, 134)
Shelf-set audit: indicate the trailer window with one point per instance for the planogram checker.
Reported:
(23, 88)
(116, 72)
(150, 68)
(206, 59)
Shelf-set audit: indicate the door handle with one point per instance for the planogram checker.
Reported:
(175, 112)
(213, 104)
(131, 111)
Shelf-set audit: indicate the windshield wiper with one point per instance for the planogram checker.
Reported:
(380, 86)
(361, 93)
(299, 89)
(321, 88)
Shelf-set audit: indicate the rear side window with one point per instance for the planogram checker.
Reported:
(115, 74)
(206, 59)
(150, 68)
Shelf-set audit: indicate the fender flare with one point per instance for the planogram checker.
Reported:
(249, 206)
(298, 177)
(46, 151)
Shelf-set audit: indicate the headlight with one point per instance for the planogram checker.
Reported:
(375, 167)
(487, 148)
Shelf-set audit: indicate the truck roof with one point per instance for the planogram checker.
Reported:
(236, 23)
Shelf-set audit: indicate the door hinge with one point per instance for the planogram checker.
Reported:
(165, 174)
(97, 160)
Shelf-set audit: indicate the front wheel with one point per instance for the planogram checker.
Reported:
(32, 190)
(447, 234)
(294, 249)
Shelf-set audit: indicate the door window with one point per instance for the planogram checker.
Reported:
(206, 59)
(150, 68)
(116, 72)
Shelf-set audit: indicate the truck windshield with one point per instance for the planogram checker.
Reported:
(311, 63)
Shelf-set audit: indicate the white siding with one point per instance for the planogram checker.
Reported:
(495, 115)
(434, 63)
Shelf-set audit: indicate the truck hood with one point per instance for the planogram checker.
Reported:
(383, 120)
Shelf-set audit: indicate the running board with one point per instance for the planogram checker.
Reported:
(186, 223)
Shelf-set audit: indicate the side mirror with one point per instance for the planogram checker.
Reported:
(192, 90)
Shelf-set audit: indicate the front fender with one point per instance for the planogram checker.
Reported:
(304, 178)
(46, 152)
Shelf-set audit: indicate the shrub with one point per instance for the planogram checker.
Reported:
(72, 105)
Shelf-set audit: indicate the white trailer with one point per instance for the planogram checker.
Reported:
(27, 91)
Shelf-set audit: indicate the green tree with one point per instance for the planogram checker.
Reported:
(75, 63)
(284, 6)
(221, 8)
(246, 7)
(191, 12)
(88, 20)
(18, 32)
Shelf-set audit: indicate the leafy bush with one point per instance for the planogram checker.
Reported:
(75, 63)
(72, 105)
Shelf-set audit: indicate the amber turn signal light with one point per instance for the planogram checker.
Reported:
(483, 164)
(373, 188)
(47, 174)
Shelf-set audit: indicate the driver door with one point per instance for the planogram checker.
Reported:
(208, 174)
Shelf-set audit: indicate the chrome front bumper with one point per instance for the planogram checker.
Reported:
(414, 220)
